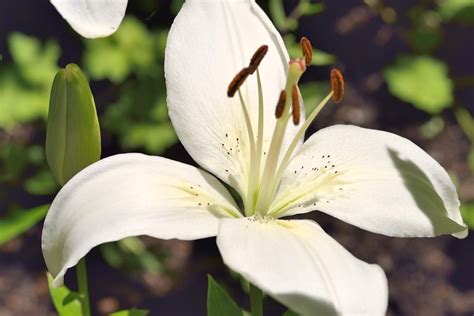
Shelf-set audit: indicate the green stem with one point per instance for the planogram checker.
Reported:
(83, 287)
(256, 301)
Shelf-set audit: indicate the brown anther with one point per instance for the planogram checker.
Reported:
(281, 104)
(237, 82)
(307, 50)
(337, 83)
(257, 58)
(295, 98)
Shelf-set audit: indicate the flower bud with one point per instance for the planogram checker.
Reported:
(73, 132)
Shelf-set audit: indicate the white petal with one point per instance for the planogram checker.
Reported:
(92, 18)
(375, 180)
(129, 195)
(298, 264)
(208, 44)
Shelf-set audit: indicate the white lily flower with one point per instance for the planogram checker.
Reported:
(92, 18)
(375, 180)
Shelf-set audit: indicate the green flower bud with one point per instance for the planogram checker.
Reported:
(73, 132)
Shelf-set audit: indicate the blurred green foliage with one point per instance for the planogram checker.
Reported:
(135, 63)
(20, 221)
(422, 81)
(25, 83)
(457, 10)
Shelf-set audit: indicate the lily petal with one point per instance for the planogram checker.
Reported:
(375, 180)
(301, 266)
(92, 18)
(208, 44)
(129, 195)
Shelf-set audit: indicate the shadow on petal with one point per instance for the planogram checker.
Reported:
(425, 196)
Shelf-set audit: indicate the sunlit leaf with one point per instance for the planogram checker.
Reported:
(422, 81)
(20, 221)
(37, 62)
(219, 301)
(131, 49)
(66, 302)
(154, 138)
(25, 83)
(457, 10)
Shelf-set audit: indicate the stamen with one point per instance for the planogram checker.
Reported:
(296, 139)
(237, 82)
(281, 104)
(337, 83)
(307, 50)
(257, 58)
(296, 105)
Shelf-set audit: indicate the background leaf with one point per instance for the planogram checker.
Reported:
(422, 81)
(20, 221)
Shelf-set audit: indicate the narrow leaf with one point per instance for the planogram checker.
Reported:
(20, 221)
(219, 301)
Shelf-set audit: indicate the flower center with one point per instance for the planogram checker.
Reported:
(262, 184)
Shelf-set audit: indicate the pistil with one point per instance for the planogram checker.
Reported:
(296, 69)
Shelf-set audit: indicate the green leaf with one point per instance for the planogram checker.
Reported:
(467, 212)
(422, 81)
(37, 63)
(290, 313)
(73, 133)
(219, 301)
(20, 221)
(25, 83)
(457, 10)
(131, 49)
(66, 302)
(154, 138)
(42, 183)
(131, 312)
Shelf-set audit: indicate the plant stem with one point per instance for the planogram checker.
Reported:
(256, 301)
(83, 287)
